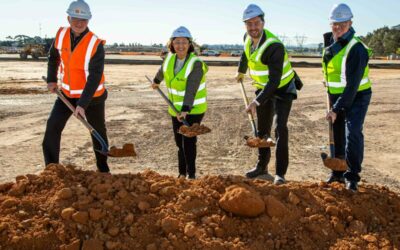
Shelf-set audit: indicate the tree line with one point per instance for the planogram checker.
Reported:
(384, 41)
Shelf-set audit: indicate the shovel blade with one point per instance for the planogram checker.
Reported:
(256, 142)
(334, 164)
(127, 150)
(194, 130)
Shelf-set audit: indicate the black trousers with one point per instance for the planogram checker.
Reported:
(186, 146)
(59, 116)
(278, 110)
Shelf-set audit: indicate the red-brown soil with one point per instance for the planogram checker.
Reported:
(68, 208)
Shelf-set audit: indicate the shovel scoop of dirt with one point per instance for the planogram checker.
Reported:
(194, 130)
(126, 151)
(335, 164)
(256, 142)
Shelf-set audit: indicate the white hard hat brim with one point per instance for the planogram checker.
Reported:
(248, 18)
(339, 20)
(80, 17)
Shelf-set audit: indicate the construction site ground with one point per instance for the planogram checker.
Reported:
(135, 113)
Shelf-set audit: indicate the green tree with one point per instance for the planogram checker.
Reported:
(383, 41)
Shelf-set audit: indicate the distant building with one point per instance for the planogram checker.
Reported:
(397, 27)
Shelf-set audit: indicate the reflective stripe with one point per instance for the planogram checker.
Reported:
(343, 73)
(343, 85)
(264, 46)
(283, 77)
(189, 67)
(285, 64)
(202, 86)
(266, 73)
(65, 86)
(245, 43)
(175, 92)
(59, 47)
(196, 102)
(259, 72)
(287, 74)
(61, 38)
(89, 54)
(78, 91)
(167, 62)
(182, 93)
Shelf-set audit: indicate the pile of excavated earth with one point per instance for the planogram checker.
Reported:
(68, 208)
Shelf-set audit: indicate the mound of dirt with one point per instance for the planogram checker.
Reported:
(67, 208)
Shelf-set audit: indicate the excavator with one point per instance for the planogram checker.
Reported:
(34, 50)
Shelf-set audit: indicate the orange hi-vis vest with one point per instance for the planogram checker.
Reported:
(74, 65)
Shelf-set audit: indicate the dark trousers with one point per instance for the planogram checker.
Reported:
(186, 146)
(348, 135)
(55, 125)
(278, 110)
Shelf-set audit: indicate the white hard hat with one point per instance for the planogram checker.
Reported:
(79, 9)
(340, 13)
(181, 32)
(252, 11)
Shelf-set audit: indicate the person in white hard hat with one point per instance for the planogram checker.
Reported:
(185, 76)
(275, 81)
(77, 55)
(345, 66)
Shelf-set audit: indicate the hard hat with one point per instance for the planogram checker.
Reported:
(79, 9)
(252, 11)
(340, 13)
(181, 32)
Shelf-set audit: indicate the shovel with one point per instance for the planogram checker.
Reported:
(254, 142)
(126, 151)
(331, 162)
(186, 130)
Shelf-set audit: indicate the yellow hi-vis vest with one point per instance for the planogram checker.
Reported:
(335, 69)
(176, 84)
(258, 71)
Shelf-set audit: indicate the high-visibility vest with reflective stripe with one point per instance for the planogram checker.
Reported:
(259, 72)
(74, 65)
(335, 69)
(176, 84)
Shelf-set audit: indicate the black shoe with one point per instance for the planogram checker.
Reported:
(259, 169)
(335, 178)
(351, 186)
(192, 177)
(279, 180)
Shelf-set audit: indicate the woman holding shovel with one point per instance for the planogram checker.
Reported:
(184, 74)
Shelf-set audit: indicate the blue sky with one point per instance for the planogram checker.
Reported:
(210, 21)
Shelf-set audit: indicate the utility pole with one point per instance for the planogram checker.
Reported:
(283, 39)
(300, 41)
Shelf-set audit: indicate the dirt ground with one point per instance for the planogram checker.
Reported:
(135, 113)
